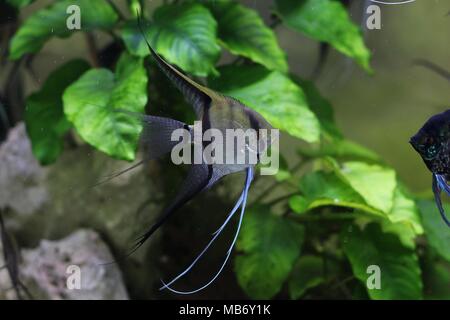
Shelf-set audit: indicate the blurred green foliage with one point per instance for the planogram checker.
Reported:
(344, 213)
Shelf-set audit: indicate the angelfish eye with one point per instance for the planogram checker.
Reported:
(431, 151)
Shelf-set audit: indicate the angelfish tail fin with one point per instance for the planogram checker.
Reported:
(437, 187)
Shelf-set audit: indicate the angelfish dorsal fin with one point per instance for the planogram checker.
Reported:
(197, 95)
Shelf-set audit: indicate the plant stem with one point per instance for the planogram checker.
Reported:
(281, 198)
(323, 217)
(92, 49)
(275, 21)
(276, 183)
(116, 9)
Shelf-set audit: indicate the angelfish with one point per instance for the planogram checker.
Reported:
(215, 111)
(432, 142)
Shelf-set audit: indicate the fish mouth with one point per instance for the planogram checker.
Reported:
(413, 143)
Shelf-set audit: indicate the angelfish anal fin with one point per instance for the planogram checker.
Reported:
(195, 182)
(437, 198)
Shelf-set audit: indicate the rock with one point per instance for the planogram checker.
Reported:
(5, 282)
(59, 199)
(54, 201)
(50, 271)
(21, 176)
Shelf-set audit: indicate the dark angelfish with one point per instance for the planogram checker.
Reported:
(215, 111)
(11, 260)
(432, 142)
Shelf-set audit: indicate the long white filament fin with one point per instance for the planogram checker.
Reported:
(241, 202)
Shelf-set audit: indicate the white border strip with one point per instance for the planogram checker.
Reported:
(401, 2)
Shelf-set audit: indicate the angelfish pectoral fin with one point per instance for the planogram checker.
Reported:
(439, 184)
(240, 203)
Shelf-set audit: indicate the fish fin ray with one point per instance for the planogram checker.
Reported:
(243, 205)
(117, 174)
(215, 236)
(156, 136)
(437, 198)
(197, 95)
(195, 182)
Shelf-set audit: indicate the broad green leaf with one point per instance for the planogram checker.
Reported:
(44, 116)
(436, 231)
(19, 3)
(400, 275)
(404, 219)
(90, 105)
(283, 172)
(436, 279)
(326, 21)
(270, 247)
(307, 273)
(321, 107)
(334, 144)
(402, 230)
(243, 32)
(276, 97)
(376, 184)
(299, 204)
(327, 189)
(185, 34)
(51, 21)
(340, 149)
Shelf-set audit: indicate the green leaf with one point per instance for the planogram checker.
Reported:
(399, 266)
(437, 280)
(276, 97)
(307, 274)
(90, 102)
(184, 34)
(243, 32)
(270, 246)
(334, 144)
(321, 107)
(19, 3)
(326, 21)
(299, 204)
(283, 172)
(44, 117)
(51, 21)
(436, 231)
(403, 219)
(376, 184)
(340, 149)
(327, 189)
(379, 188)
